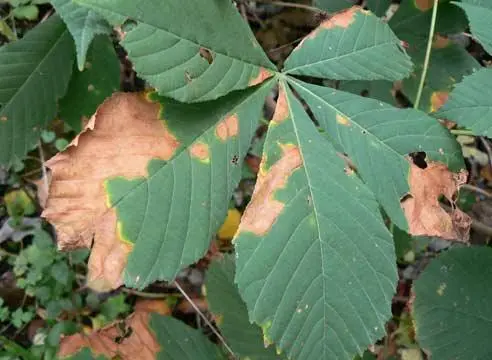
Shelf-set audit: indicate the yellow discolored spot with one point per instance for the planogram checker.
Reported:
(342, 120)
(423, 5)
(3, 118)
(90, 88)
(440, 42)
(121, 235)
(228, 127)
(262, 75)
(265, 328)
(441, 288)
(200, 151)
(282, 109)
(438, 99)
(263, 208)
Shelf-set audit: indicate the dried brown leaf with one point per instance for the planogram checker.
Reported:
(131, 339)
(424, 214)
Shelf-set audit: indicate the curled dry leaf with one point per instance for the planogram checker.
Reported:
(119, 140)
(129, 339)
(424, 214)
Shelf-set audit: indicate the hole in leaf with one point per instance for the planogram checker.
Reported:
(207, 55)
(418, 159)
(128, 25)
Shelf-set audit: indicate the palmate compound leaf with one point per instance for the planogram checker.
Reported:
(452, 311)
(154, 190)
(352, 45)
(479, 13)
(470, 103)
(34, 74)
(378, 138)
(83, 24)
(231, 314)
(315, 263)
(190, 50)
(147, 334)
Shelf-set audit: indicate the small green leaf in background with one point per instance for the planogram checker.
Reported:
(479, 13)
(48, 136)
(84, 24)
(449, 63)
(245, 339)
(88, 88)
(452, 311)
(412, 20)
(20, 317)
(23, 112)
(470, 103)
(181, 342)
(197, 62)
(369, 50)
(19, 203)
(26, 12)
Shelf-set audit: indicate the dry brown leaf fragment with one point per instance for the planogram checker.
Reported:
(129, 339)
(119, 140)
(424, 214)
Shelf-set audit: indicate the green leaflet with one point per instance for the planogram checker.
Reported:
(470, 103)
(181, 48)
(352, 45)
(377, 89)
(452, 309)
(224, 301)
(378, 137)
(411, 23)
(309, 223)
(172, 215)
(34, 74)
(83, 24)
(88, 88)
(181, 342)
(448, 65)
(479, 13)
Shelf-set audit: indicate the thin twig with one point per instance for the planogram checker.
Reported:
(205, 319)
(465, 132)
(486, 145)
(292, 5)
(144, 294)
(477, 190)
(43, 167)
(427, 55)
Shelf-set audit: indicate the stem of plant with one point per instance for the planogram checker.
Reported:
(461, 132)
(427, 55)
(205, 319)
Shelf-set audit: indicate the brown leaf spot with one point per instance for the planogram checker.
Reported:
(263, 74)
(132, 338)
(200, 151)
(424, 214)
(207, 55)
(440, 42)
(282, 108)
(228, 127)
(342, 19)
(438, 99)
(119, 140)
(423, 5)
(263, 208)
(3, 118)
(342, 120)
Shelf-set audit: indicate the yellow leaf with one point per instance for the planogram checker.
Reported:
(229, 228)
